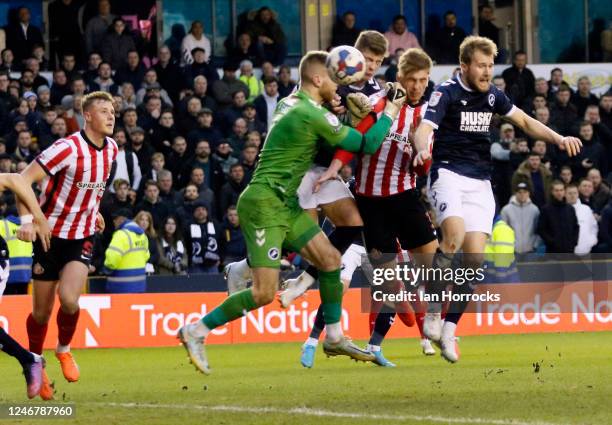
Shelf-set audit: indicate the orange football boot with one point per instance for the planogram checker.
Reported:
(69, 366)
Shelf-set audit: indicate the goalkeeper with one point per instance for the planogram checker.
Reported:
(270, 215)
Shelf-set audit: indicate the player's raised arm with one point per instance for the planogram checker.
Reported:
(539, 131)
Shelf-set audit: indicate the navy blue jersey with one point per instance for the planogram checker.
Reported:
(326, 154)
(461, 118)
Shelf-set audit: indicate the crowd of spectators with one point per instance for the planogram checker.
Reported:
(189, 137)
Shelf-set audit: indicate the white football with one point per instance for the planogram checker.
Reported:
(346, 65)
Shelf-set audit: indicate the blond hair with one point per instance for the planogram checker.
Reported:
(414, 59)
(473, 43)
(151, 230)
(90, 98)
(314, 57)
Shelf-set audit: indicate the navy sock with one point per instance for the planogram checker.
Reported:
(383, 323)
(319, 324)
(341, 238)
(457, 308)
(12, 348)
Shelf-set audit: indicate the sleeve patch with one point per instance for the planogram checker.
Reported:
(435, 98)
(332, 119)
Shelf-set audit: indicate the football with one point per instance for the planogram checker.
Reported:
(346, 65)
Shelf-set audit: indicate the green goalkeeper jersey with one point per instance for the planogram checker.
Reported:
(299, 127)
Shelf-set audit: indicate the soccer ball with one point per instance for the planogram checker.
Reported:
(346, 65)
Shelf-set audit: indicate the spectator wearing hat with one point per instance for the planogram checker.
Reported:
(223, 155)
(224, 89)
(522, 215)
(558, 224)
(199, 66)
(252, 82)
(537, 176)
(44, 97)
(117, 44)
(142, 148)
(202, 241)
(265, 104)
(151, 87)
(205, 130)
(253, 122)
(195, 39)
(587, 224)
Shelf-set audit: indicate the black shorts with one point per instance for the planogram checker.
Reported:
(47, 265)
(400, 217)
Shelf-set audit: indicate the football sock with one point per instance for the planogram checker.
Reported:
(420, 318)
(319, 324)
(13, 348)
(341, 238)
(36, 334)
(384, 321)
(330, 289)
(440, 261)
(311, 341)
(243, 268)
(456, 308)
(234, 306)
(66, 325)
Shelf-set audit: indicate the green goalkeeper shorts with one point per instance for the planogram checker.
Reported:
(268, 224)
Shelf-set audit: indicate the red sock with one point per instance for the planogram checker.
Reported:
(420, 318)
(36, 334)
(66, 325)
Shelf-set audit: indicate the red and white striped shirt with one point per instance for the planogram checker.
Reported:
(77, 171)
(389, 170)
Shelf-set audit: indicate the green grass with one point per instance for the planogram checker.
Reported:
(494, 381)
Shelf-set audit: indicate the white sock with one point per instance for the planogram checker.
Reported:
(243, 269)
(433, 307)
(37, 358)
(312, 341)
(198, 329)
(305, 281)
(373, 348)
(448, 330)
(62, 348)
(334, 331)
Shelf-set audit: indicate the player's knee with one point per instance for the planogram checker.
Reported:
(41, 316)
(262, 298)
(330, 261)
(69, 304)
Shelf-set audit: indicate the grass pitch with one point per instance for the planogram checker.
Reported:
(500, 380)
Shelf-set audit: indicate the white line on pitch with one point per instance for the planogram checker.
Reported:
(322, 413)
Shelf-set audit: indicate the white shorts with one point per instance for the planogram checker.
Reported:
(351, 260)
(4, 275)
(454, 195)
(329, 192)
